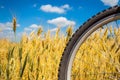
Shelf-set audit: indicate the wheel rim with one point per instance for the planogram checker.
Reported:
(86, 34)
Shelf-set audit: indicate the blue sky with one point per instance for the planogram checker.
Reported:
(48, 14)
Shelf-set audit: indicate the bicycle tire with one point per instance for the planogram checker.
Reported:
(83, 29)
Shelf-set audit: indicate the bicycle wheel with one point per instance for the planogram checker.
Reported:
(98, 60)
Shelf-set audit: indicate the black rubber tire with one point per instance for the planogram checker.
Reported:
(62, 74)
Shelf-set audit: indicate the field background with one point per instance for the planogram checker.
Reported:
(37, 57)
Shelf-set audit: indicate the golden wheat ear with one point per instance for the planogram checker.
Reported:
(69, 31)
(14, 25)
(39, 31)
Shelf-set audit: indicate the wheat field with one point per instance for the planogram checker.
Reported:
(37, 57)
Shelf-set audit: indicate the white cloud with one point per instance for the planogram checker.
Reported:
(61, 22)
(7, 34)
(110, 2)
(66, 6)
(7, 26)
(53, 30)
(27, 29)
(10, 35)
(32, 27)
(55, 9)
(6, 31)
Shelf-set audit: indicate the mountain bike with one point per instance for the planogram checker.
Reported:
(93, 51)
